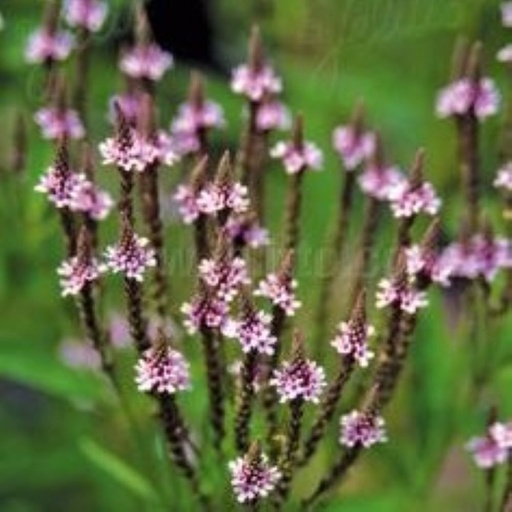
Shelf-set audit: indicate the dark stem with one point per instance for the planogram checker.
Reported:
(215, 386)
(292, 212)
(69, 228)
(244, 408)
(126, 197)
(136, 319)
(506, 498)
(82, 75)
(327, 410)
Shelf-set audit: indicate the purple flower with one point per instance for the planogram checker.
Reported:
(129, 151)
(76, 272)
(205, 312)
(192, 117)
(255, 83)
(87, 14)
(272, 115)
(352, 340)
(506, 14)
(79, 354)
(60, 185)
(186, 200)
(254, 333)
(462, 96)
(57, 123)
(402, 295)
(421, 262)
(280, 292)
(162, 370)
(226, 277)
(380, 182)
(218, 197)
(408, 199)
(252, 477)
(148, 62)
(131, 256)
(45, 45)
(362, 428)
(353, 146)
(246, 231)
(87, 198)
(487, 451)
(504, 177)
(502, 433)
(299, 379)
(130, 105)
(297, 159)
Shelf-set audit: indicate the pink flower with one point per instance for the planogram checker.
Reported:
(216, 198)
(487, 451)
(462, 96)
(129, 151)
(87, 198)
(272, 115)
(504, 177)
(254, 333)
(147, 62)
(56, 123)
(225, 277)
(506, 14)
(502, 433)
(505, 54)
(186, 200)
(380, 182)
(403, 296)
(130, 105)
(204, 312)
(60, 185)
(297, 159)
(280, 292)
(79, 354)
(131, 256)
(300, 379)
(192, 118)
(353, 147)
(44, 45)
(431, 266)
(87, 14)
(253, 478)
(76, 272)
(408, 200)
(255, 83)
(162, 370)
(352, 340)
(246, 231)
(362, 428)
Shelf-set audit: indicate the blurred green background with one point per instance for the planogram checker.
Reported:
(64, 442)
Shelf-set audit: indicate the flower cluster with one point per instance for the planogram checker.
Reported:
(299, 379)
(297, 159)
(407, 199)
(205, 310)
(87, 14)
(218, 197)
(255, 83)
(186, 201)
(272, 115)
(253, 478)
(280, 291)
(162, 369)
(60, 184)
(147, 62)
(245, 231)
(504, 177)
(352, 340)
(132, 256)
(46, 45)
(225, 276)
(423, 262)
(493, 448)
(353, 146)
(464, 96)
(58, 123)
(380, 182)
(362, 428)
(254, 333)
(402, 293)
(76, 272)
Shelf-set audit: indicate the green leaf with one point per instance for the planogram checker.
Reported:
(118, 470)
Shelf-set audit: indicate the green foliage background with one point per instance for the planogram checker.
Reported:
(65, 444)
